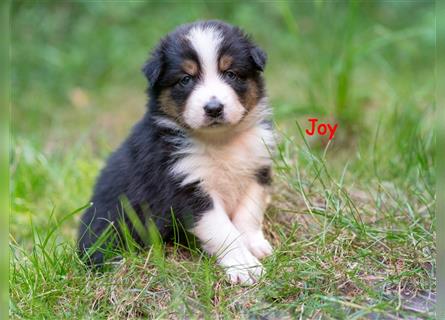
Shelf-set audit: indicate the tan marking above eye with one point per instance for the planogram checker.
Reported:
(225, 62)
(190, 67)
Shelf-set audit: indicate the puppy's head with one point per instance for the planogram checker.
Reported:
(206, 75)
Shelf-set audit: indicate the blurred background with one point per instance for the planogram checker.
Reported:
(77, 87)
(76, 66)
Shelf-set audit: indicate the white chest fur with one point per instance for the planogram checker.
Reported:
(226, 170)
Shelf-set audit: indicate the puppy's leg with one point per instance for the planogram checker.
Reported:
(248, 219)
(219, 237)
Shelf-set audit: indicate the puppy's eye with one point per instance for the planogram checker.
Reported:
(230, 75)
(185, 80)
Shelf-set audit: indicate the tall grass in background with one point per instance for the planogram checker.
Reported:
(352, 220)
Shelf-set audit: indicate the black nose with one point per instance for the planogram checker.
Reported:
(214, 108)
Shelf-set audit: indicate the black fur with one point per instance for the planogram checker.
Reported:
(264, 176)
(139, 168)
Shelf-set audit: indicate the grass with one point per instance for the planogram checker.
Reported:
(352, 221)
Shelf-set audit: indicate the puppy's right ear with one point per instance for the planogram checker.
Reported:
(152, 68)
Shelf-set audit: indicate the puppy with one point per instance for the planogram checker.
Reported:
(201, 154)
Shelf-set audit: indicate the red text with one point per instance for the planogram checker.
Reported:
(322, 128)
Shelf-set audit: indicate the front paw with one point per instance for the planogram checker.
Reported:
(242, 267)
(258, 245)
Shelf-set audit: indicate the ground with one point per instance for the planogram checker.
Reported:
(352, 220)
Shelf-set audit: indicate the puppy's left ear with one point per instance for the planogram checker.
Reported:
(152, 68)
(259, 57)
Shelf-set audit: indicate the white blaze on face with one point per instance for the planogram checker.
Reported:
(206, 42)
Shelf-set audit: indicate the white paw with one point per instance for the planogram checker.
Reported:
(259, 246)
(242, 267)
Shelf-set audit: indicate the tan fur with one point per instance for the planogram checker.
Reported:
(251, 96)
(190, 67)
(168, 105)
(225, 62)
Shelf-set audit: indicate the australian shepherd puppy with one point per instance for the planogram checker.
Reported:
(201, 153)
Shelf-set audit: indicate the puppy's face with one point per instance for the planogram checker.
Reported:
(206, 75)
